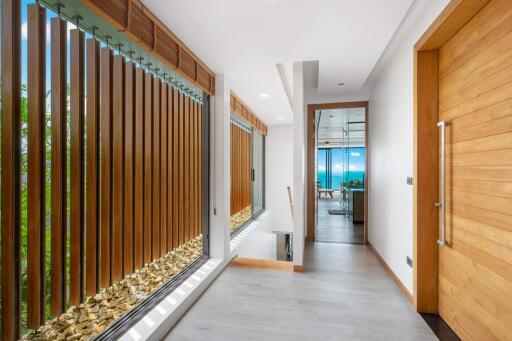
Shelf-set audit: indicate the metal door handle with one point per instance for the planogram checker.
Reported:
(442, 203)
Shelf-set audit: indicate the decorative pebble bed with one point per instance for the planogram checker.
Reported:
(92, 317)
(241, 217)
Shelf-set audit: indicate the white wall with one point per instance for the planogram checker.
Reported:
(391, 141)
(279, 175)
(299, 151)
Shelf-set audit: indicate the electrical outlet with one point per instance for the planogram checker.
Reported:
(409, 180)
(409, 261)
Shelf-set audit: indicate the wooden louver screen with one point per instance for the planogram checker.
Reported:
(135, 180)
(240, 169)
(139, 24)
(247, 115)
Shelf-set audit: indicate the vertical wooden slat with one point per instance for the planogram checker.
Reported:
(156, 168)
(36, 177)
(148, 176)
(58, 166)
(163, 169)
(11, 137)
(186, 171)
(200, 167)
(197, 178)
(92, 168)
(128, 168)
(194, 168)
(232, 178)
(138, 218)
(170, 218)
(77, 167)
(117, 167)
(181, 180)
(191, 171)
(106, 166)
(175, 168)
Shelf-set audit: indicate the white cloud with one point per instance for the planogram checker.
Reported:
(337, 167)
(24, 30)
(355, 154)
(321, 168)
(354, 168)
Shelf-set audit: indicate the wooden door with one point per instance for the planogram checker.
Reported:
(475, 99)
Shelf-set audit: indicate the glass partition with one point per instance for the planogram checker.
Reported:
(258, 167)
(247, 174)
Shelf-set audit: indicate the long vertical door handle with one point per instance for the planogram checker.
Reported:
(442, 202)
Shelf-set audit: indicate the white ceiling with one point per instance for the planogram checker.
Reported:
(245, 39)
(333, 127)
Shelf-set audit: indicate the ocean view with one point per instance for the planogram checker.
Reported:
(337, 178)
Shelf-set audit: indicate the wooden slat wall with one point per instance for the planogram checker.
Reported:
(239, 108)
(240, 168)
(58, 166)
(138, 23)
(36, 164)
(135, 175)
(77, 190)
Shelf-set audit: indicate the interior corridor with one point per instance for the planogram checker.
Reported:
(344, 294)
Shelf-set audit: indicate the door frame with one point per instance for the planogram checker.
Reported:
(425, 163)
(310, 165)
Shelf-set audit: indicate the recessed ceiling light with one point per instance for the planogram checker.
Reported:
(264, 95)
(341, 83)
(279, 118)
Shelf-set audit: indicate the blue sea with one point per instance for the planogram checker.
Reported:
(337, 178)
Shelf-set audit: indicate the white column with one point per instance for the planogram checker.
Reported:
(220, 169)
(299, 183)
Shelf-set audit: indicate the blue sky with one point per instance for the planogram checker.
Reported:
(356, 159)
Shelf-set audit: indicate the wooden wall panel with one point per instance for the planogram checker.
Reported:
(92, 168)
(36, 165)
(129, 138)
(139, 179)
(118, 87)
(106, 166)
(58, 166)
(77, 188)
(148, 164)
(156, 169)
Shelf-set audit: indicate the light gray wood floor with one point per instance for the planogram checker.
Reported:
(344, 294)
(336, 228)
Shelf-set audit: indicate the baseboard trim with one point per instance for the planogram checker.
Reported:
(298, 268)
(262, 264)
(393, 276)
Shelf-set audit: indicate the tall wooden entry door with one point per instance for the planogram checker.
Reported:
(475, 112)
